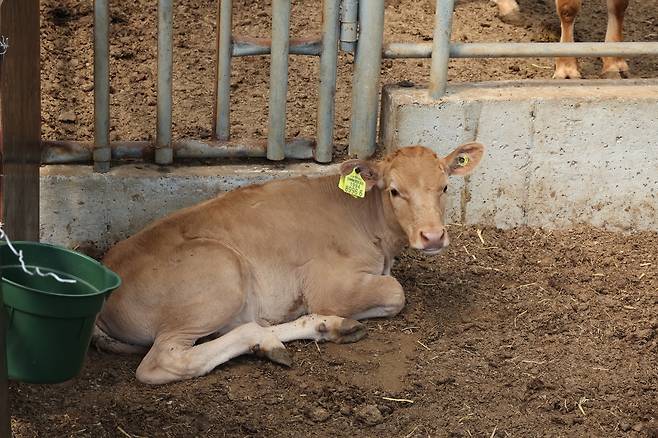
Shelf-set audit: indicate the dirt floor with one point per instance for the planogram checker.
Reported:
(67, 61)
(529, 334)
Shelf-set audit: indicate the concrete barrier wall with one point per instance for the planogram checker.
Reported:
(93, 210)
(559, 153)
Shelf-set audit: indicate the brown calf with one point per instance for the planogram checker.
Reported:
(263, 265)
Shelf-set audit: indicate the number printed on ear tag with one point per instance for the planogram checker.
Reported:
(353, 184)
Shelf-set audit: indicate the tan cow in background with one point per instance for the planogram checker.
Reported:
(266, 264)
(567, 10)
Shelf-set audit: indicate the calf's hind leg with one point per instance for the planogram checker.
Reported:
(202, 303)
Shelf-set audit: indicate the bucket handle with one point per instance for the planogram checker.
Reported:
(38, 272)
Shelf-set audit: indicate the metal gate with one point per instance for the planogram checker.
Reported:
(350, 25)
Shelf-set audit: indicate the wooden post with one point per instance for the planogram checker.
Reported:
(20, 149)
(21, 112)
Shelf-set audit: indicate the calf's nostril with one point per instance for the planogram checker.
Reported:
(431, 236)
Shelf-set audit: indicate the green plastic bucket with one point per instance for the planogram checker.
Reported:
(49, 324)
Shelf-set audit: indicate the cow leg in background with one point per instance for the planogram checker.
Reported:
(615, 68)
(508, 11)
(567, 68)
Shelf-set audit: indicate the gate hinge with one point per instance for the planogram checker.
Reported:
(349, 32)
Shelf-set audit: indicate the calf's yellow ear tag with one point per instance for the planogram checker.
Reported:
(353, 184)
(462, 160)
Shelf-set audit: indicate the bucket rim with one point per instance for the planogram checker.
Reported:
(115, 283)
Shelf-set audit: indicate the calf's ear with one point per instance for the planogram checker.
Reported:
(465, 158)
(369, 171)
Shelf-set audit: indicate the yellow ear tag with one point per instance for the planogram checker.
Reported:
(353, 184)
(462, 160)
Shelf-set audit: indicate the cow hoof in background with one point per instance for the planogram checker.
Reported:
(513, 17)
(509, 12)
(566, 68)
(615, 68)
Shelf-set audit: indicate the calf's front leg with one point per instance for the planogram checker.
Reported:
(358, 296)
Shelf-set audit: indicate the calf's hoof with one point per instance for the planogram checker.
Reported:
(277, 354)
(280, 356)
(350, 330)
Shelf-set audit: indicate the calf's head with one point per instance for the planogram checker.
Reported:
(413, 182)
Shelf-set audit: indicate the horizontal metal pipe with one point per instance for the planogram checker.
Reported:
(523, 50)
(245, 46)
(77, 152)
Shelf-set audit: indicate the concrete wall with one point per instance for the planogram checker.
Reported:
(559, 153)
(92, 210)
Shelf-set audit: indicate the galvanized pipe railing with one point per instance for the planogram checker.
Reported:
(163, 152)
(522, 50)
(367, 69)
(441, 47)
(247, 46)
(221, 119)
(354, 25)
(328, 69)
(102, 153)
(278, 79)
(62, 152)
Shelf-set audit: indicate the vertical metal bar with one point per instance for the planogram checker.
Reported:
(102, 154)
(441, 48)
(278, 79)
(365, 88)
(328, 67)
(163, 151)
(221, 121)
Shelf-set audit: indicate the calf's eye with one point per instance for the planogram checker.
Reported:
(394, 192)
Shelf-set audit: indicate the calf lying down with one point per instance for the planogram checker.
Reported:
(267, 264)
